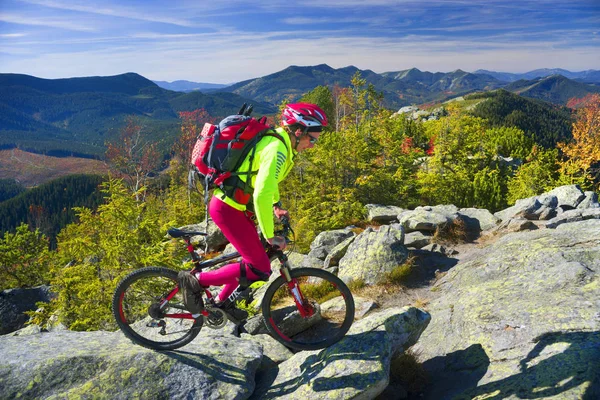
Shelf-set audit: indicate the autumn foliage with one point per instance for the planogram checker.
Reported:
(583, 152)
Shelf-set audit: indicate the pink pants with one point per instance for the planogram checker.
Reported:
(239, 229)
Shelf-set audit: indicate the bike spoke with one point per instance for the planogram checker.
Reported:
(313, 311)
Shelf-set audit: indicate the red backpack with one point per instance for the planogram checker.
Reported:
(221, 149)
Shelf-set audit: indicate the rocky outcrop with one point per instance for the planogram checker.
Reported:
(373, 254)
(14, 303)
(357, 367)
(520, 317)
(551, 204)
(107, 365)
(215, 365)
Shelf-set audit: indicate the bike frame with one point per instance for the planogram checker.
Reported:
(304, 308)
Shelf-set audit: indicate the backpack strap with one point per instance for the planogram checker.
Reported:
(234, 182)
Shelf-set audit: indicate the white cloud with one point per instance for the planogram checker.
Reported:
(12, 35)
(113, 11)
(61, 23)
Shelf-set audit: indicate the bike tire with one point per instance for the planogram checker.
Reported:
(284, 322)
(131, 303)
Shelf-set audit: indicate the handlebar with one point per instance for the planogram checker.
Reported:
(285, 232)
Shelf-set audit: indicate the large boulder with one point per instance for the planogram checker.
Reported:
(382, 214)
(519, 319)
(373, 254)
(541, 207)
(336, 254)
(357, 367)
(590, 200)
(428, 218)
(15, 302)
(568, 196)
(326, 241)
(107, 365)
(580, 214)
(417, 239)
(479, 219)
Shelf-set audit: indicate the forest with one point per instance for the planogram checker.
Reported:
(486, 152)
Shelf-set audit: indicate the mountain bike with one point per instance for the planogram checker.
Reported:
(303, 308)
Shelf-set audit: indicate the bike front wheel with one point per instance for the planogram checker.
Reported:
(312, 311)
(150, 311)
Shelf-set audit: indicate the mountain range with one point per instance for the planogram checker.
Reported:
(76, 116)
(589, 76)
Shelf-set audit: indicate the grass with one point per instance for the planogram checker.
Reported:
(408, 372)
(454, 232)
(399, 274)
(319, 292)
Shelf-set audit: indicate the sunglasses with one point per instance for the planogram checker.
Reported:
(313, 139)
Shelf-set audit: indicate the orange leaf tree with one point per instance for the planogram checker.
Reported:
(582, 155)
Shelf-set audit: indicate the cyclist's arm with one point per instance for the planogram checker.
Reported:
(266, 189)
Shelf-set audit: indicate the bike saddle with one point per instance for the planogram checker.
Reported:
(177, 233)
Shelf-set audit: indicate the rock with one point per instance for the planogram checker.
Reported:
(357, 367)
(407, 110)
(437, 248)
(574, 216)
(404, 326)
(28, 330)
(382, 214)
(273, 351)
(14, 303)
(312, 262)
(428, 218)
(373, 254)
(319, 253)
(215, 239)
(479, 219)
(520, 316)
(416, 239)
(570, 195)
(256, 325)
(329, 239)
(361, 306)
(516, 225)
(532, 208)
(336, 254)
(590, 201)
(107, 365)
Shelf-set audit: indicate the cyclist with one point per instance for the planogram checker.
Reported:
(301, 126)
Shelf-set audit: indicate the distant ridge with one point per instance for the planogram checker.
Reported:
(589, 76)
(555, 89)
(399, 88)
(188, 86)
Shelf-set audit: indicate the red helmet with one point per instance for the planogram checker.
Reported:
(305, 114)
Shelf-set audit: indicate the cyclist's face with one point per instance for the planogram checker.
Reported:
(306, 141)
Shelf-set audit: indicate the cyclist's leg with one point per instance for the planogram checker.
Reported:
(241, 233)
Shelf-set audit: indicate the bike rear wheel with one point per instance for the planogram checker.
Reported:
(322, 316)
(140, 308)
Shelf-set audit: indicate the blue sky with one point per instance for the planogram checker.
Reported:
(227, 41)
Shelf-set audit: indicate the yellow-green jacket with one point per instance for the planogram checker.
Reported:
(273, 160)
